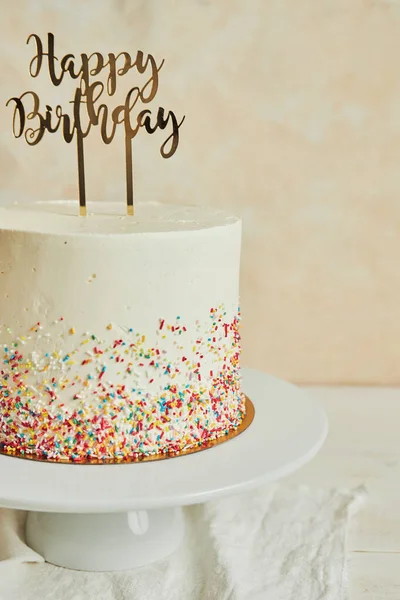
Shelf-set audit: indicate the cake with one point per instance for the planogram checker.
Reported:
(119, 335)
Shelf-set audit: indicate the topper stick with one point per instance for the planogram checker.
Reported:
(81, 176)
(129, 177)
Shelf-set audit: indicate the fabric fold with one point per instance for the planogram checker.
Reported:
(276, 543)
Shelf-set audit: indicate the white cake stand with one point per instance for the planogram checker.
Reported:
(113, 517)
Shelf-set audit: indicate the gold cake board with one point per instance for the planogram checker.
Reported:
(246, 422)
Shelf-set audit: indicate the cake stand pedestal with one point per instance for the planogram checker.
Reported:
(114, 517)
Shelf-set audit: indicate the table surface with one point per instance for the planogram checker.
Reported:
(363, 448)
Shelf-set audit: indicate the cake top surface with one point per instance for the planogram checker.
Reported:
(108, 218)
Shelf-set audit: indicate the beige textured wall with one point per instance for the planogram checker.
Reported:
(292, 120)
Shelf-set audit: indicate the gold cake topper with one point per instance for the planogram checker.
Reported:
(31, 120)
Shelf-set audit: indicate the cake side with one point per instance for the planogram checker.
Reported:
(121, 345)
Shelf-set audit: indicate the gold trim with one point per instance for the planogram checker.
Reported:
(245, 424)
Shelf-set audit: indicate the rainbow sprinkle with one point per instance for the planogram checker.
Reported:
(120, 398)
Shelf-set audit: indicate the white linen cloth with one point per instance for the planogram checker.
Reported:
(275, 543)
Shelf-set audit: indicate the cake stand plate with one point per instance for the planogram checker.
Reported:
(113, 517)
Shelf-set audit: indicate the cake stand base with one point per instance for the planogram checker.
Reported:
(112, 517)
(105, 542)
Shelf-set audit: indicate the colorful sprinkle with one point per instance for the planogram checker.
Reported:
(62, 405)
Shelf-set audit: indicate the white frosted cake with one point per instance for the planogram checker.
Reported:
(119, 335)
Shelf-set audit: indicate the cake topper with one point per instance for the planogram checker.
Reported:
(31, 120)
